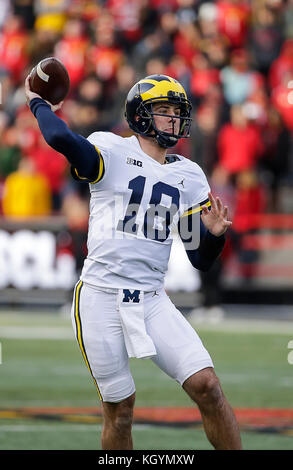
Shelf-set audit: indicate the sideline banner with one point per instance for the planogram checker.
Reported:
(37, 254)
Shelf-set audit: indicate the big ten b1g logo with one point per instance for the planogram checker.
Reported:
(30, 260)
(133, 161)
(290, 355)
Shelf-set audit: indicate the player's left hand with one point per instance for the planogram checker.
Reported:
(216, 219)
(30, 95)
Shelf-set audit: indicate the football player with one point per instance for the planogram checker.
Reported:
(140, 195)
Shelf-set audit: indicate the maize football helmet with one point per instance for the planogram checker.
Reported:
(139, 108)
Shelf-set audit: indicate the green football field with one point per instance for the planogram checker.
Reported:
(48, 399)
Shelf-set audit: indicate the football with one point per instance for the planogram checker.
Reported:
(50, 79)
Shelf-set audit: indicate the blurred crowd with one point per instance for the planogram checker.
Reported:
(234, 58)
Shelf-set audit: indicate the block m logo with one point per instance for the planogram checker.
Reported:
(134, 296)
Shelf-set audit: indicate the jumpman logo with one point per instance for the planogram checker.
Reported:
(181, 182)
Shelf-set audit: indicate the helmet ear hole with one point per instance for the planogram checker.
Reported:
(142, 124)
(143, 119)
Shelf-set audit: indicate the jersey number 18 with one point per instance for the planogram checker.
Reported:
(157, 218)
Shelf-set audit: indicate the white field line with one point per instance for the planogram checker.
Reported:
(241, 325)
(36, 332)
(227, 325)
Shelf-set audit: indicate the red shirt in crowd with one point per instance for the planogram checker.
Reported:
(282, 66)
(186, 43)
(233, 21)
(164, 4)
(202, 79)
(13, 51)
(249, 201)
(32, 144)
(239, 148)
(72, 52)
(282, 100)
(127, 16)
(51, 164)
(105, 61)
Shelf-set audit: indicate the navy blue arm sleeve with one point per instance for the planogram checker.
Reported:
(209, 249)
(80, 153)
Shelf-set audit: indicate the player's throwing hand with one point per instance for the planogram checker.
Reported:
(30, 95)
(216, 219)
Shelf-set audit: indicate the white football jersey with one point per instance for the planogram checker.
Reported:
(135, 204)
